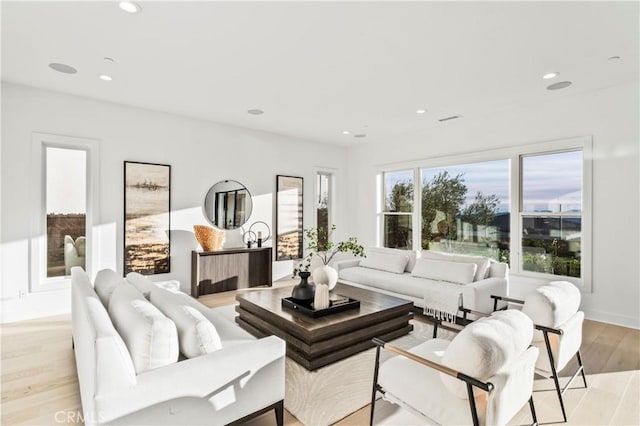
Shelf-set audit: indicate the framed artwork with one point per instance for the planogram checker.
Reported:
(289, 217)
(147, 207)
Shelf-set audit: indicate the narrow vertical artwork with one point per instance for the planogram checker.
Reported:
(147, 207)
(289, 217)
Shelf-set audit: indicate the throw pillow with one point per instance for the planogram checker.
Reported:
(484, 347)
(142, 283)
(150, 337)
(196, 334)
(106, 282)
(410, 254)
(453, 272)
(497, 269)
(481, 262)
(385, 262)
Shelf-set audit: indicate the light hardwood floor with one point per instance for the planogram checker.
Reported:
(39, 385)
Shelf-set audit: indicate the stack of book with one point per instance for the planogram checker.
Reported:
(337, 299)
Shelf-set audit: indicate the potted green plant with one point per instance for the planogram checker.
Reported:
(319, 244)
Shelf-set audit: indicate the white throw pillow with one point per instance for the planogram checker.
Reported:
(497, 269)
(552, 305)
(106, 282)
(142, 283)
(453, 272)
(196, 334)
(385, 262)
(481, 262)
(410, 254)
(482, 348)
(150, 337)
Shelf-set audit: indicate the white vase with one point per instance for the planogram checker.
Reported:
(325, 275)
(321, 297)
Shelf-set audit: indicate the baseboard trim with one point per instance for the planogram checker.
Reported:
(621, 320)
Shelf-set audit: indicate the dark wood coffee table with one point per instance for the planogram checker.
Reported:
(316, 342)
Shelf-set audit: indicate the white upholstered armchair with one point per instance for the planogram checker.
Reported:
(484, 376)
(554, 309)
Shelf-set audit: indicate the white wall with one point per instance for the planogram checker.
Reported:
(610, 116)
(200, 153)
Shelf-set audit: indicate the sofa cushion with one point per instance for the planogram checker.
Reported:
(196, 334)
(482, 348)
(497, 269)
(482, 263)
(454, 272)
(106, 282)
(552, 305)
(410, 254)
(151, 337)
(142, 283)
(385, 262)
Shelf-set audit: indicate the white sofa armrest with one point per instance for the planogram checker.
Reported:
(344, 264)
(477, 295)
(211, 384)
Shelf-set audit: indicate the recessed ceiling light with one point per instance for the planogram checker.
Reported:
(559, 85)
(105, 77)
(421, 111)
(255, 111)
(129, 7)
(613, 58)
(550, 75)
(64, 68)
(360, 135)
(345, 132)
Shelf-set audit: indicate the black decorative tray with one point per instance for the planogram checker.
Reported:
(306, 308)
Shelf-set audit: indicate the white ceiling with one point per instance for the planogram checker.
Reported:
(318, 68)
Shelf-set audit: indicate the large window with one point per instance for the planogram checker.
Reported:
(465, 205)
(324, 182)
(551, 213)
(398, 209)
(64, 208)
(465, 209)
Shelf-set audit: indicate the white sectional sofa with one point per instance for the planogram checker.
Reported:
(428, 278)
(130, 370)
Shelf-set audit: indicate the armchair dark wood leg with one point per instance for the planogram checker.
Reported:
(584, 379)
(533, 412)
(279, 409)
(277, 406)
(375, 385)
(472, 402)
(554, 374)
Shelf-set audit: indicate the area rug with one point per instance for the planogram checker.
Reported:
(324, 396)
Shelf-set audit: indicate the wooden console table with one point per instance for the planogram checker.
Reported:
(223, 270)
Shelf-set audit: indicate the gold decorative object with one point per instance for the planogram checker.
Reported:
(209, 238)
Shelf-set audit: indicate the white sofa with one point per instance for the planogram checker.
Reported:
(382, 270)
(242, 379)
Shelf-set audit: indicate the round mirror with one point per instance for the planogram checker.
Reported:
(228, 204)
